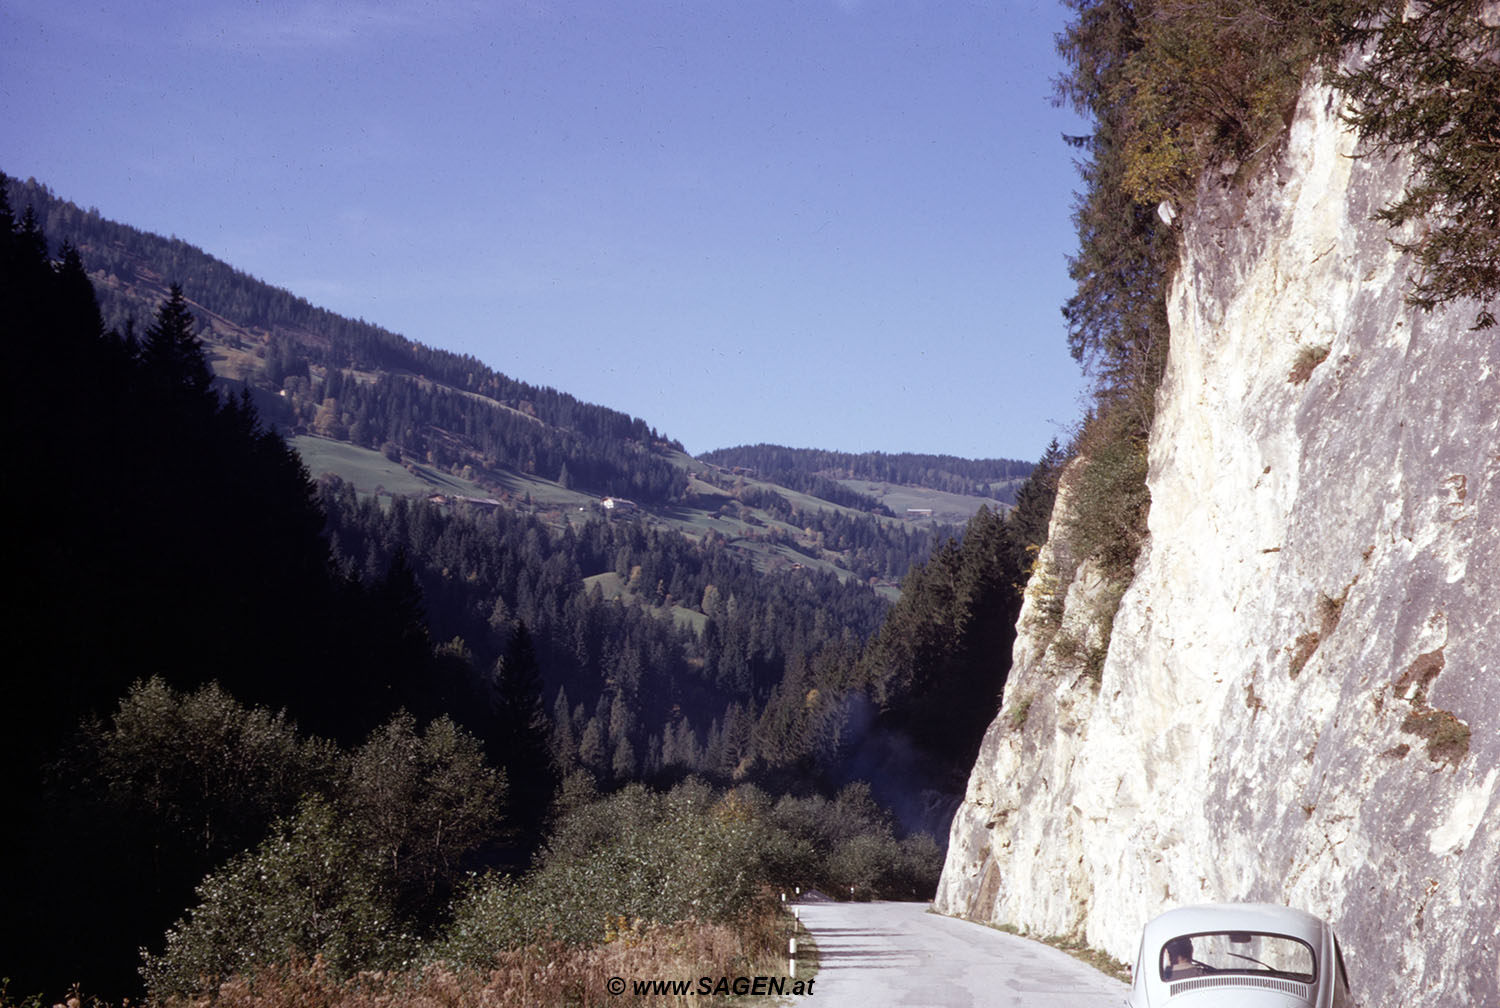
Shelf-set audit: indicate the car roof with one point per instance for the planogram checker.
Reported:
(1210, 917)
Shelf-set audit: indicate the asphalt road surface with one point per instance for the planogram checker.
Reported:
(897, 955)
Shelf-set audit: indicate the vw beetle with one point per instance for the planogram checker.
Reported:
(1239, 955)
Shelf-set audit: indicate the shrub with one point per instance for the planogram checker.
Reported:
(1446, 736)
(636, 856)
(1330, 610)
(849, 841)
(347, 880)
(863, 865)
(1019, 712)
(311, 889)
(200, 766)
(424, 804)
(1211, 81)
(921, 865)
(1303, 649)
(1111, 501)
(1307, 359)
(1431, 86)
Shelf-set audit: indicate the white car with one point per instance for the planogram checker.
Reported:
(1239, 955)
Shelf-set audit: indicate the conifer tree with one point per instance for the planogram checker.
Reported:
(7, 215)
(32, 241)
(623, 763)
(591, 747)
(173, 352)
(1028, 521)
(524, 737)
(564, 742)
(79, 320)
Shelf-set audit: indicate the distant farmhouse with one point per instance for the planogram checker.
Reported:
(618, 505)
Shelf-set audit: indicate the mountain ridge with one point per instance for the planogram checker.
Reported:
(131, 284)
(598, 654)
(434, 411)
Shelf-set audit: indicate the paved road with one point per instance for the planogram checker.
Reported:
(897, 955)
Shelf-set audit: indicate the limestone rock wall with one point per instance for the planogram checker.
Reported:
(1301, 698)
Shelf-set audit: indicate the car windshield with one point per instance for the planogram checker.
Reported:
(1207, 954)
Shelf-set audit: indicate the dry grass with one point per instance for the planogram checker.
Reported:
(538, 975)
(1077, 948)
(1330, 611)
(1447, 737)
(1302, 651)
(1097, 958)
(1307, 360)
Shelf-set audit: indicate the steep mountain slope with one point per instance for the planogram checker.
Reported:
(413, 419)
(905, 483)
(1300, 701)
(685, 617)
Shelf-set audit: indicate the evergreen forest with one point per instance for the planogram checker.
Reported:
(244, 701)
(268, 731)
(812, 470)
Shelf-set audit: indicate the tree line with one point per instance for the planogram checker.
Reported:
(168, 534)
(810, 470)
(215, 657)
(870, 544)
(221, 665)
(633, 690)
(455, 432)
(483, 413)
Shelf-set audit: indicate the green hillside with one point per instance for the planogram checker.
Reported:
(915, 502)
(372, 473)
(392, 416)
(481, 570)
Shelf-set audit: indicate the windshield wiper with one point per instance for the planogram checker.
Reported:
(1289, 974)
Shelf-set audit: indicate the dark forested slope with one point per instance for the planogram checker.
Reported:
(160, 530)
(188, 590)
(354, 380)
(193, 609)
(442, 415)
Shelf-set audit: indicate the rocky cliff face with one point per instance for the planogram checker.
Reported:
(1301, 697)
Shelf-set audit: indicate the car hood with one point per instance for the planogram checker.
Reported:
(1230, 997)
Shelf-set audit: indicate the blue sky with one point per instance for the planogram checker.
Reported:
(839, 224)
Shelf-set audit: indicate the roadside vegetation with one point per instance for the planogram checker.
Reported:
(363, 888)
(309, 748)
(235, 741)
(636, 883)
